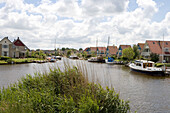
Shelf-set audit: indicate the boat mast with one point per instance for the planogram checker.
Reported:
(163, 49)
(96, 47)
(107, 46)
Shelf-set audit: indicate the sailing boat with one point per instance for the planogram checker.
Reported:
(109, 60)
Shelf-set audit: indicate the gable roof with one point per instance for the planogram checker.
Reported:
(156, 46)
(141, 45)
(124, 46)
(7, 39)
(18, 42)
(112, 49)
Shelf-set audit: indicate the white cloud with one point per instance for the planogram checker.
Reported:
(75, 24)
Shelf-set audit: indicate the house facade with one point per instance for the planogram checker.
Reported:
(111, 50)
(162, 48)
(140, 47)
(15, 49)
(96, 50)
(121, 48)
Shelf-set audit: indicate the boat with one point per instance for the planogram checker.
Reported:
(73, 57)
(110, 61)
(147, 67)
(98, 59)
(58, 57)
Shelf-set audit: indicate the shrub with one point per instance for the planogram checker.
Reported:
(5, 58)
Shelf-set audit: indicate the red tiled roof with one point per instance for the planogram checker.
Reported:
(124, 46)
(112, 50)
(95, 49)
(141, 45)
(156, 46)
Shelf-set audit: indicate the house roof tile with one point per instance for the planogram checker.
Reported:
(112, 49)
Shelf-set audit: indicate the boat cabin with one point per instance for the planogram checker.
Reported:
(144, 63)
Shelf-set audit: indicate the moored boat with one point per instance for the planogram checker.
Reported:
(147, 67)
(97, 59)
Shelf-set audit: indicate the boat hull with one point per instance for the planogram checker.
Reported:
(154, 73)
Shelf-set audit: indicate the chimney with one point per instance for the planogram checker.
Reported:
(18, 38)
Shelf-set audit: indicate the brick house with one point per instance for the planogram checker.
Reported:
(140, 46)
(96, 50)
(157, 47)
(112, 50)
(121, 48)
(15, 49)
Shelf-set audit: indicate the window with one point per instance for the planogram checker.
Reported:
(5, 41)
(153, 42)
(166, 43)
(5, 53)
(5, 46)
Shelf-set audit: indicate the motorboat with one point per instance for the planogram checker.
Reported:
(73, 57)
(110, 60)
(58, 57)
(147, 67)
(97, 59)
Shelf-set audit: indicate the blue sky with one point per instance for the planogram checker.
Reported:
(78, 23)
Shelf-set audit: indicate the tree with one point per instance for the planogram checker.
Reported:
(80, 49)
(84, 54)
(154, 57)
(136, 51)
(33, 54)
(128, 53)
(68, 53)
(27, 53)
(63, 49)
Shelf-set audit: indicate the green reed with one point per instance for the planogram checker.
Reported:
(60, 91)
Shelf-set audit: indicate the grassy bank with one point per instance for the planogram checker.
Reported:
(15, 60)
(60, 91)
(162, 64)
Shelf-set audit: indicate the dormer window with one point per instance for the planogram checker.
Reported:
(153, 42)
(166, 43)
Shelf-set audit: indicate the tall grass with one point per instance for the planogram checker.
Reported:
(63, 91)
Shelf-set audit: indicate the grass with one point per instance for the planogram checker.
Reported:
(3, 62)
(60, 91)
(161, 64)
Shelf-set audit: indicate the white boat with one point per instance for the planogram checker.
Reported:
(147, 67)
(96, 59)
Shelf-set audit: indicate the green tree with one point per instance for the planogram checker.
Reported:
(33, 54)
(93, 53)
(154, 57)
(63, 49)
(128, 53)
(84, 54)
(68, 53)
(27, 53)
(136, 51)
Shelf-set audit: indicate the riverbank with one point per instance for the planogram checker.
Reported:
(21, 61)
(60, 91)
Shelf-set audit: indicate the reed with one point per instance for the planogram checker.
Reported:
(62, 91)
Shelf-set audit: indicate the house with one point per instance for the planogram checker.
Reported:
(6, 47)
(140, 46)
(15, 49)
(96, 50)
(157, 47)
(112, 50)
(121, 48)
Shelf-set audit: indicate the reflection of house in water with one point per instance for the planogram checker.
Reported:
(15, 49)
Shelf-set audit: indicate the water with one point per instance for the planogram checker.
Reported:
(147, 94)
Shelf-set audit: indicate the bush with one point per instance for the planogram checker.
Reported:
(5, 58)
(9, 61)
(60, 91)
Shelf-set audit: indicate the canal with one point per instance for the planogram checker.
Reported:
(147, 94)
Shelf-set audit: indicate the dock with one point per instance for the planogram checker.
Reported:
(167, 72)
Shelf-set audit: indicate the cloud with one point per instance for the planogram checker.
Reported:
(79, 23)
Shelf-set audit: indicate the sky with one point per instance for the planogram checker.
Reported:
(79, 23)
